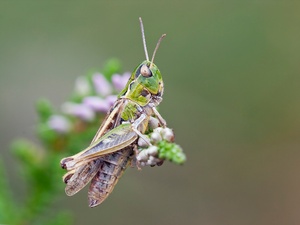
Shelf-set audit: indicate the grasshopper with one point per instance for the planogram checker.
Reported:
(115, 143)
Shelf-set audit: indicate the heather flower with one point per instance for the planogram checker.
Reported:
(79, 110)
(111, 100)
(102, 86)
(97, 104)
(91, 104)
(82, 86)
(119, 81)
(163, 147)
(59, 123)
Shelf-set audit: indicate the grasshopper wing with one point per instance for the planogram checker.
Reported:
(78, 179)
(114, 140)
(84, 165)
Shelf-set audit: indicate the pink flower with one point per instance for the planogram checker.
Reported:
(59, 123)
(111, 100)
(120, 81)
(79, 110)
(102, 86)
(96, 103)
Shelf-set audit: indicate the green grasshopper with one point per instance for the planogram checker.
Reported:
(115, 143)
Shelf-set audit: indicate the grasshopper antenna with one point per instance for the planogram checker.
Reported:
(155, 50)
(144, 39)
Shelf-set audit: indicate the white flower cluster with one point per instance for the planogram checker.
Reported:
(148, 155)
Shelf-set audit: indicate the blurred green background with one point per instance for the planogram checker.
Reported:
(231, 73)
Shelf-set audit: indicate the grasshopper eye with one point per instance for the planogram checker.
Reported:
(145, 71)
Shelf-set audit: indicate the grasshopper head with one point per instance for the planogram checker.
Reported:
(145, 85)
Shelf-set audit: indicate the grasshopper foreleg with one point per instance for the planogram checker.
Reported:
(136, 125)
(159, 117)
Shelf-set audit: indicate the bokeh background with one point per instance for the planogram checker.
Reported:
(231, 73)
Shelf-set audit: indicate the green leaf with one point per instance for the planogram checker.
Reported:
(111, 67)
(44, 109)
(26, 152)
(7, 207)
(171, 152)
(62, 218)
(46, 134)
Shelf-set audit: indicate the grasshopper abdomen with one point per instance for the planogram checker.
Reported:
(111, 169)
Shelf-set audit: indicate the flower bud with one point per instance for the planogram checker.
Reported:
(155, 137)
(142, 142)
(153, 123)
(152, 151)
(142, 156)
(168, 134)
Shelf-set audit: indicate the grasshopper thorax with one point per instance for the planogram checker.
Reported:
(145, 85)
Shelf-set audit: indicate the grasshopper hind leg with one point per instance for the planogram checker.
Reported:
(108, 175)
